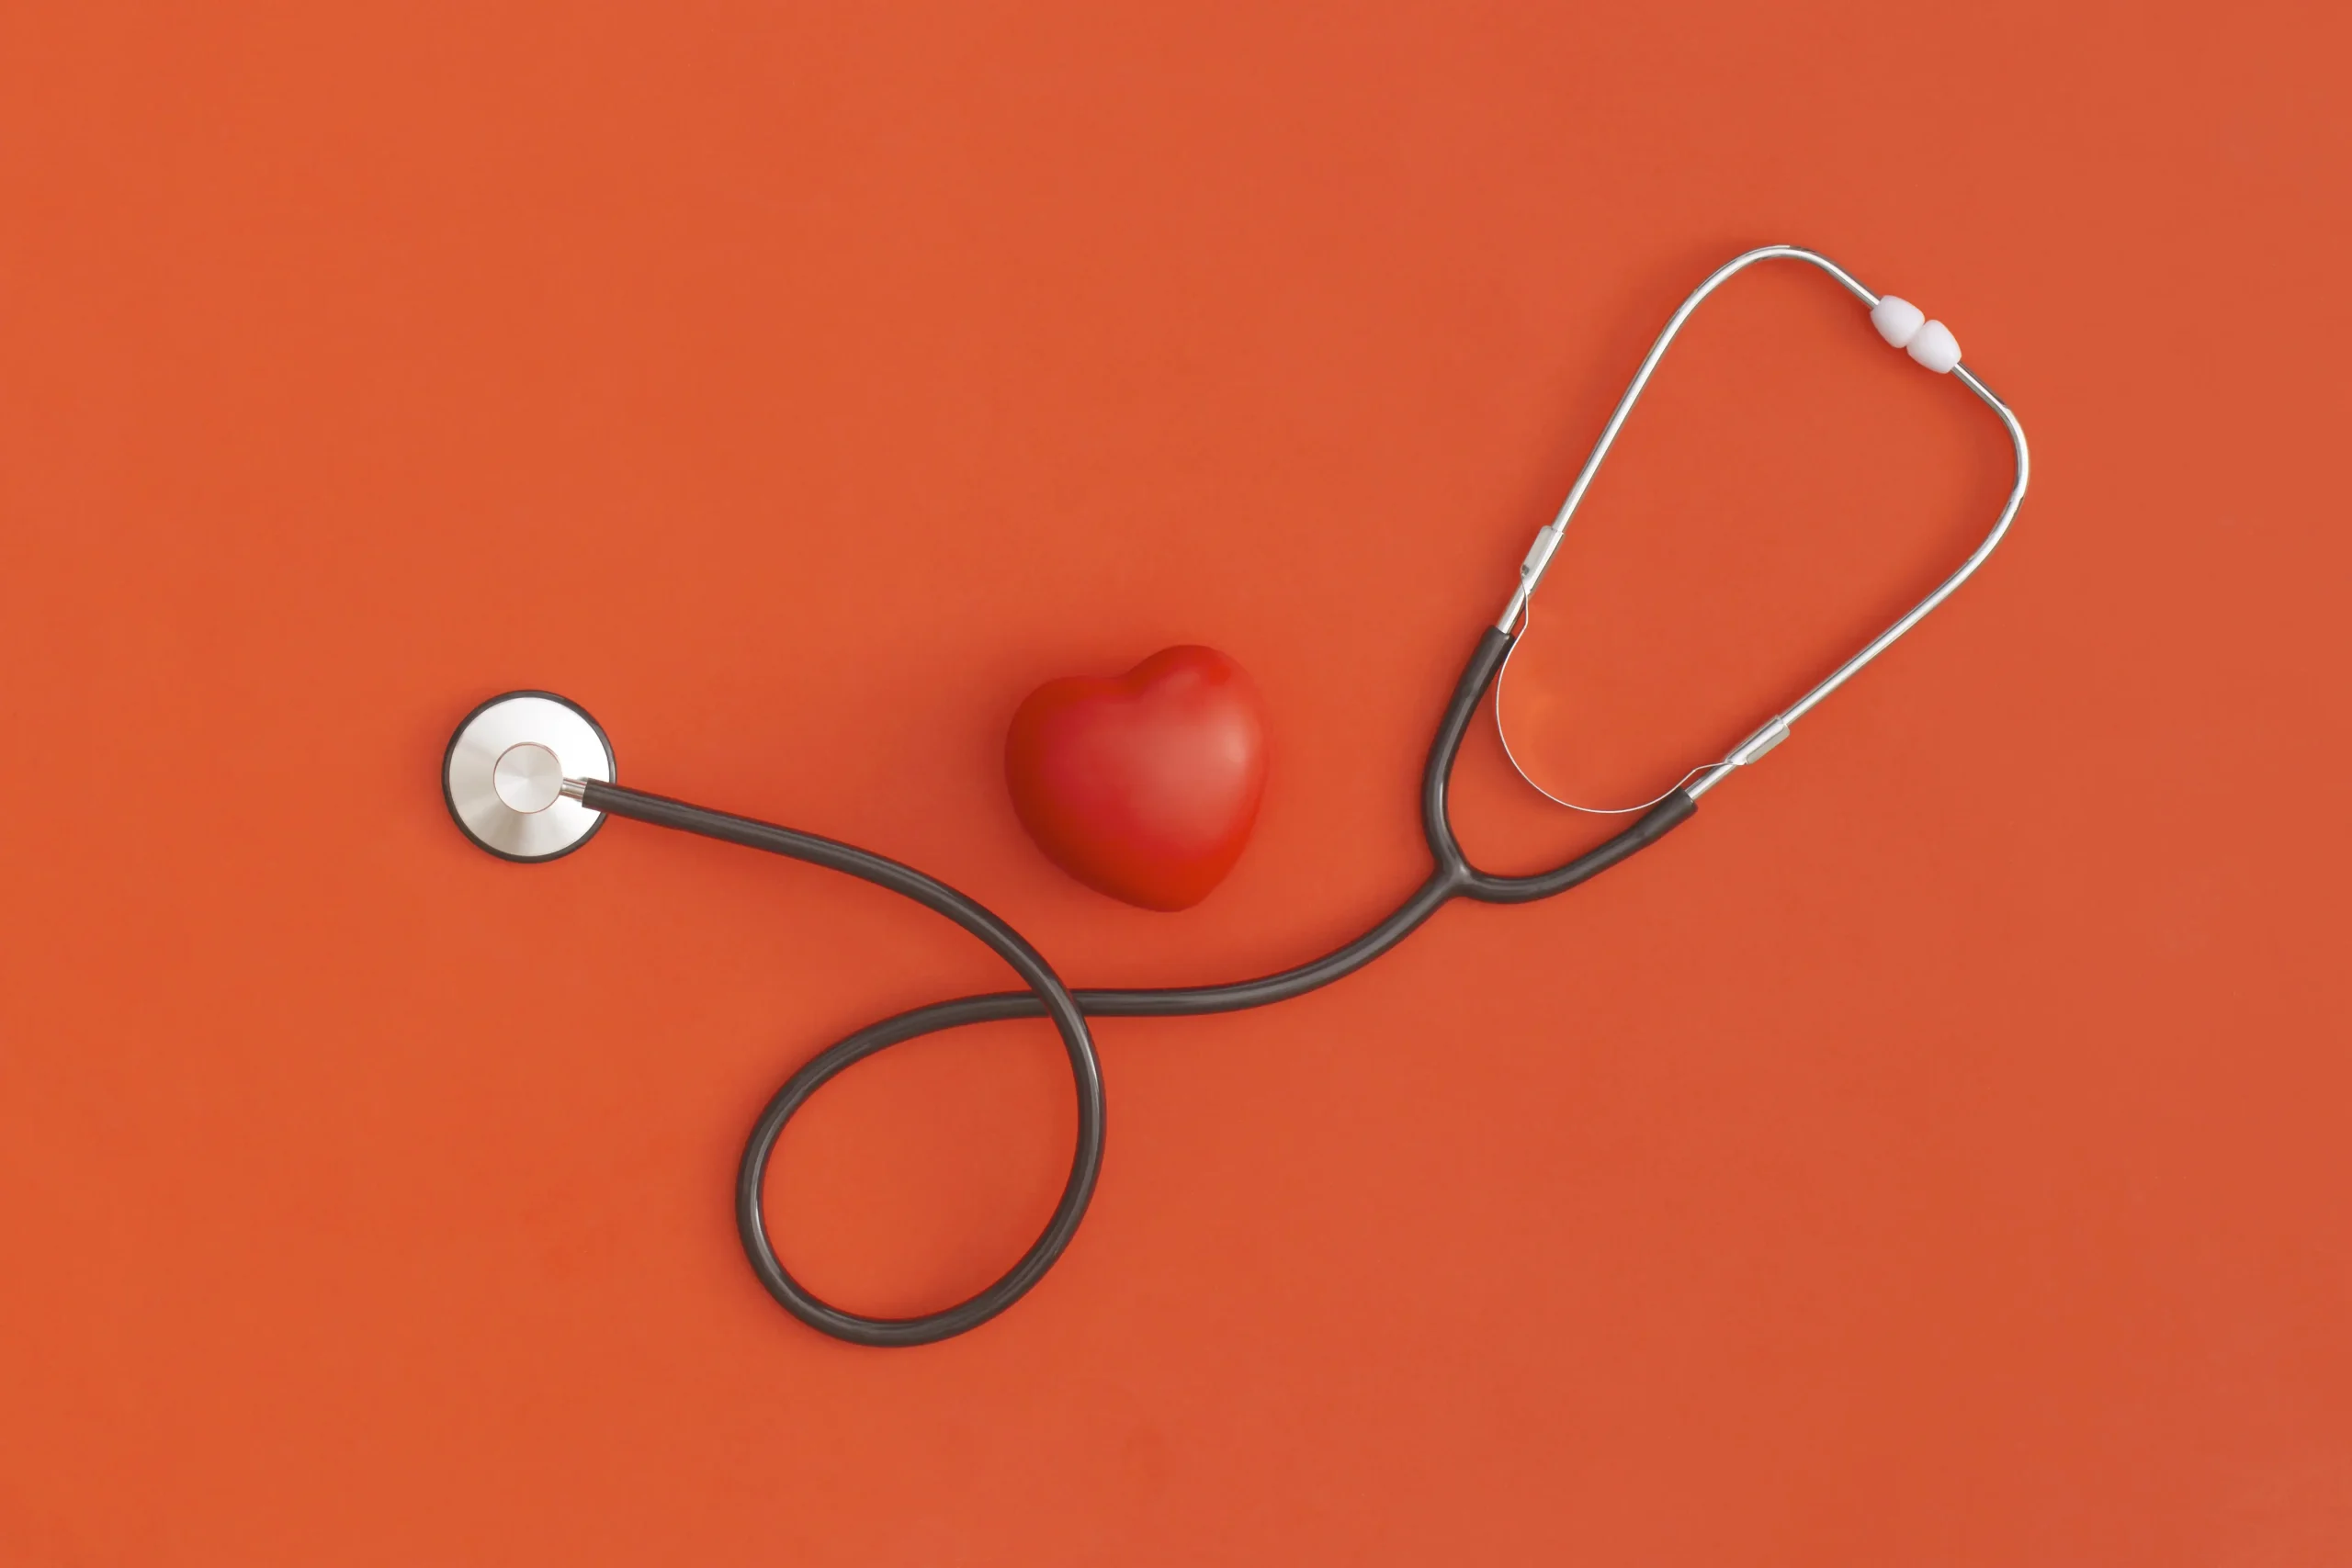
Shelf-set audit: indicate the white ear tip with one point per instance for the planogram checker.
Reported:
(1934, 346)
(1897, 321)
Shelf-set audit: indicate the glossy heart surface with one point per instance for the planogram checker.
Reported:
(1145, 786)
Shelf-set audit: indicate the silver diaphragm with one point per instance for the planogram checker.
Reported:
(505, 769)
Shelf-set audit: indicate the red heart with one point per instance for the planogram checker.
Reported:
(1143, 787)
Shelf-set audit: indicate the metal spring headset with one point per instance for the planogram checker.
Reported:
(528, 776)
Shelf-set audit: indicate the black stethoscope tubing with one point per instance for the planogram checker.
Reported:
(1451, 876)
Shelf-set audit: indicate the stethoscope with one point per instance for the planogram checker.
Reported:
(530, 776)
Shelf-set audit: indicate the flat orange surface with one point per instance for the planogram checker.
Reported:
(1934, 1153)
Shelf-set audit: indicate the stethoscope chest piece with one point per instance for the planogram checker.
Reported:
(503, 776)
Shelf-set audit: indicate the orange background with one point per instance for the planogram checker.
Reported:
(1934, 1153)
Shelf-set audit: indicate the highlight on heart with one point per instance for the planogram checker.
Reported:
(1143, 786)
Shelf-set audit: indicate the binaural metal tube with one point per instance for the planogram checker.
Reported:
(1944, 589)
(1775, 729)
